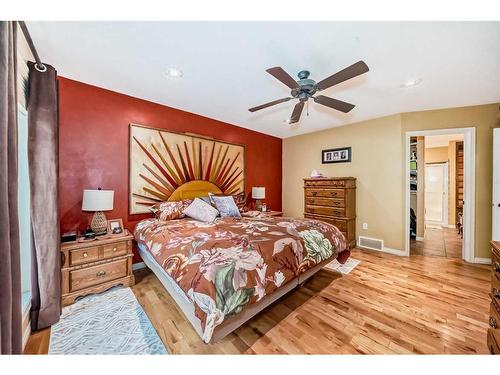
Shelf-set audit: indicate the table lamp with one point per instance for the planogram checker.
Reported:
(258, 193)
(98, 201)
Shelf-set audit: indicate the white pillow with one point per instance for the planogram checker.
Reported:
(201, 211)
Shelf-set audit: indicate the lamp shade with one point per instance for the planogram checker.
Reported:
(258, 192)
(97, 200)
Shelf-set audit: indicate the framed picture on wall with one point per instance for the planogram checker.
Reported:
(336, 155)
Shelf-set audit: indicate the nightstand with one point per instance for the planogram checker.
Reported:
(95, 265)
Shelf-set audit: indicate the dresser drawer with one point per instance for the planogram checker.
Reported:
(494, 315)
(340, 212)
(114, 250)
(493, 340)
(87, 277)
(333, 183)
(86, 255)
(340, 224)
(329, 202)
(495, 266)
(325, 193)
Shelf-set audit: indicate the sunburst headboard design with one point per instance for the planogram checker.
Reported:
(167, 166)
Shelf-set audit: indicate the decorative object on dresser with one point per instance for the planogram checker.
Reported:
(336, 155)
(258, 193)
(94, 266)
(493, 338)
(333, 200)
(98, 201)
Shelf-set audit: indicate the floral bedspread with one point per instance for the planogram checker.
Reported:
(225, 266)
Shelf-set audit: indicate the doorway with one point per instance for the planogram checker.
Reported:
(439, 179)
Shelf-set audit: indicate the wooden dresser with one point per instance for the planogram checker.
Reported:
(94, 266)
(332, 200)
(494, 330)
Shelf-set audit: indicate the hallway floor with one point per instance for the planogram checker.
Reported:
(442, 242)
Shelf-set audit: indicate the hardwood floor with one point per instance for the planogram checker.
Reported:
(387, 304)
(442, 242)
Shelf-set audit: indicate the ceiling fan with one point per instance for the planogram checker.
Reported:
(305, 88)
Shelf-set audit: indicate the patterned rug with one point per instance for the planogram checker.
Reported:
(345, 268)
(112, 322)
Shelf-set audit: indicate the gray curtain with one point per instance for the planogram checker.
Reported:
(43, 156)
(10, 268)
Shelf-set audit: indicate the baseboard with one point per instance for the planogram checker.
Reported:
(420, 239)
(387, 250)
(482, 260)
(138, 266)
(26, 325)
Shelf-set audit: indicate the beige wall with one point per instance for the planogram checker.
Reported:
(378, 162)
(436, 155)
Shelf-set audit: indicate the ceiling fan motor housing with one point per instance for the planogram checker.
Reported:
(307, 87)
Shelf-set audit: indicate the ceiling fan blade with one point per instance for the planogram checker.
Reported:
(278, 73)
(297, 111)
(339, 105)
(262, 106)
(350, 72)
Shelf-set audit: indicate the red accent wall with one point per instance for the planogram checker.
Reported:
(94, 148)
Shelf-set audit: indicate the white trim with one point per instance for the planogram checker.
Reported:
(482, 260)
(419, 239)
(138, 266)
(468, 244)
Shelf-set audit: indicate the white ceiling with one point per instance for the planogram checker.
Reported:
(224, 65)
(434, 141)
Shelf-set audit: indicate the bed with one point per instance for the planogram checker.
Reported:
(222, 274)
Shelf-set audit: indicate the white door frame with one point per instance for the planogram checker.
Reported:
(469, 209)
(495, 218)
(444, 222)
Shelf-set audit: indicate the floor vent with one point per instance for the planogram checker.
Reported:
(371, 243)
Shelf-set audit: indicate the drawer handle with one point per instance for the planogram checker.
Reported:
(496, 293)
(100, 273)
(85, 255)
(114, 248)
(314, 193)
(497, 267)
(493, 322)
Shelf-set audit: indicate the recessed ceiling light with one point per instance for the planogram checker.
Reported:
(411, 82)
(174, 73)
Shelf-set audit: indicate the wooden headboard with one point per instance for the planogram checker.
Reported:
(194, 189)
(168, 166)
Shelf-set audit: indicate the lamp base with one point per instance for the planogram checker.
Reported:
(99, 224)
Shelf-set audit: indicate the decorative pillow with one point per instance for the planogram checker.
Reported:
(170, 210)
(240, 201)
(201, 211)
(226, 206)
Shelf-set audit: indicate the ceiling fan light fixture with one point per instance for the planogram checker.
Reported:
(174, 73)
(411, 83)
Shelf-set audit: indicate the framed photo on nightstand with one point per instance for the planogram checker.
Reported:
(115, 226)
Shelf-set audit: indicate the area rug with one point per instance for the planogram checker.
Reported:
(343, 268)
(112, 322)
